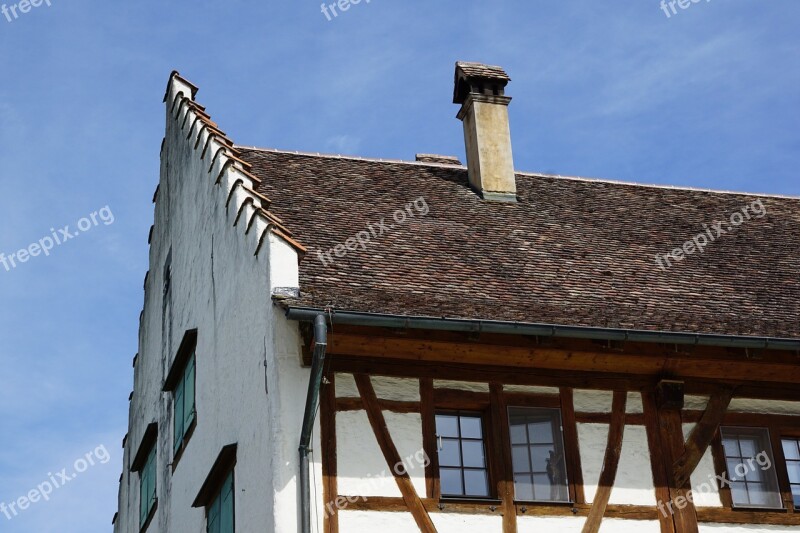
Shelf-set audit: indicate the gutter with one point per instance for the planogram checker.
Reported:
(307, 314)
(312, 401)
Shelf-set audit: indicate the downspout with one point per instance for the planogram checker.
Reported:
(312, 400)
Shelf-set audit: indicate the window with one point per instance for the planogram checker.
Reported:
(184, 403)
(217, 493)
(220, 512)
(147, 488)
(181, 382)
(462, 455)
(537, 453)
(144, 463)
(791, 451)
(750, 467)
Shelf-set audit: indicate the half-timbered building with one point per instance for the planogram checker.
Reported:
(457, 347)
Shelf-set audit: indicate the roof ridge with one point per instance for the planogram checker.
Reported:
(519, 173)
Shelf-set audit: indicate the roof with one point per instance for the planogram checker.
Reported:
(572, 252)
(479, 70)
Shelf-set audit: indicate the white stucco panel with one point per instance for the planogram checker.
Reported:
(746, 405)
(399, 389)
(346, 386)
(634, 482)
(459, 523)
(369, 521)
(593, 401)
(362, 469)
(738, 528)
(461, 385)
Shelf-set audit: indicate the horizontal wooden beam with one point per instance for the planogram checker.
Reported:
(536, 357)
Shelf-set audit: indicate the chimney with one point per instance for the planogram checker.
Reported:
(480, 89)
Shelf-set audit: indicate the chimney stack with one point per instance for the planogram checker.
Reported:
(480, 89)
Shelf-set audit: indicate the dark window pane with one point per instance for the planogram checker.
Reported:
(447, 425)
(471, 427)
(540, 454)
(520, 458)
(476, 483)
(733, 464)
(749, 447)
(450, 454)
(542, 487)
(731, 447)
(518, 434)
(794, 471)
(473, 453)
(450, 479)
(790, 449)
(541, 431)
(739, 494)
(523, 487)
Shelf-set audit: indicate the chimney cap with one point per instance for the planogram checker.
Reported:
(477, 77)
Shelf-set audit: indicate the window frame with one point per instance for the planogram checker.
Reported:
(482, 415)
(218, 498)
(150, 468)
(558, 430)
(175, 383)
(224, 468)
(146, 457)
(721, 467)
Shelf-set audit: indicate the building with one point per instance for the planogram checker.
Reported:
(457, 348)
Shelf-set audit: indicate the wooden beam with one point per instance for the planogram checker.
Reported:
(504, 470)
(428, 415)
(657, 463)
(571, 445)
(327, 422)
(395, 406)
(647, 364)
(610, 464)
(392, 456)
(673, 446)
(700, 438)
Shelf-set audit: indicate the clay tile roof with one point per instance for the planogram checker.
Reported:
(570, 252)
(479, 70)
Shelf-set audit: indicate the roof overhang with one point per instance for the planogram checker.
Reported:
(356, 318)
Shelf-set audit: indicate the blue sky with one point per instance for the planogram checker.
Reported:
(706, 98)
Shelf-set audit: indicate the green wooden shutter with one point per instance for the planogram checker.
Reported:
(179, 415)
(226, 507)
(188, 394)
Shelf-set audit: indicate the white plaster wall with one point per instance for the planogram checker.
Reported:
(738, 528)
(634, 482)
(695, 403)
(569, 524)
(362, 468)
(221, 288)
(593, 401)
(705, 492)
(455, 523)
(346, 386)
(461, 385)
(747, 405)
(399, 389)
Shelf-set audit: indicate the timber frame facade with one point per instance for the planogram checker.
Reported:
(656, 377)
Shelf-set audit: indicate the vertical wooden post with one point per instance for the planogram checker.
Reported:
(330, 489)
(669, 399)
(505, 473)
